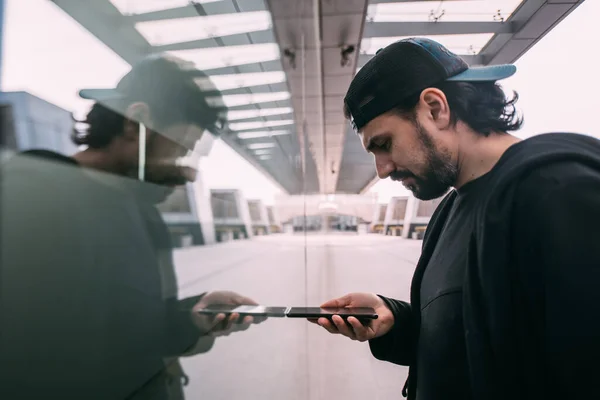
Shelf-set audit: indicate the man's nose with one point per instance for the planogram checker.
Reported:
(384, 167)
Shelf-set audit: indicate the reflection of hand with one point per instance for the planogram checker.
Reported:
(354, 329)
(220, 325)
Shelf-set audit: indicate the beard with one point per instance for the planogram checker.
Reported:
(161, 177)
(438, 174)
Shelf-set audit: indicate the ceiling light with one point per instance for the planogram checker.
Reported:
(234, 100)
(236, 81)
(457, 11)
(228, 56)
(233, 115)
(261, 134)
(170, 31)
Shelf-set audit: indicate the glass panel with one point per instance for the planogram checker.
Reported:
(459, 44)
(457, 10)
(180, 30)
(382, 211)
(115, 238)
(224, 205)
(255, 214)
(400, 209)
(227, 56)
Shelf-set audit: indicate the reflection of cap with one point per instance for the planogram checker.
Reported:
(170, 87)
(404, 69)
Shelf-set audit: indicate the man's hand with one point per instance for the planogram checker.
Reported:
(354, 329)
(220, 325)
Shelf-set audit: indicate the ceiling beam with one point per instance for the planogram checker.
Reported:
(392, 29)
(173, 13)
(103, 20)
(258, 37)
(533, 20)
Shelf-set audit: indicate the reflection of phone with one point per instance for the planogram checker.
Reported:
(360, 313)
(254, 311)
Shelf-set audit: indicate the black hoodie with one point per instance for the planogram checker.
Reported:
(530, 298)
(88, 297)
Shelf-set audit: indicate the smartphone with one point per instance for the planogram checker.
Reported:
(245, 310)
(363, 314)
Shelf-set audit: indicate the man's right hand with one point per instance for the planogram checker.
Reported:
(354, 329)
(221, 325)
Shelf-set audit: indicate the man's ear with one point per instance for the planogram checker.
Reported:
(136, 114)
(435, 104)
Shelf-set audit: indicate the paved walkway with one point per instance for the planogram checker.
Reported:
(292, 359)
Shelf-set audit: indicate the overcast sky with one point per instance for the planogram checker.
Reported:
(49, 55)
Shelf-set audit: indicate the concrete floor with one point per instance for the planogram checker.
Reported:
(293, 359)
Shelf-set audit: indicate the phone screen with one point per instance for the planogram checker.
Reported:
(244, 310)
(318, 312)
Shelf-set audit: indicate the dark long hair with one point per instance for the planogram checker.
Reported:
(483, 106)
(99, 128)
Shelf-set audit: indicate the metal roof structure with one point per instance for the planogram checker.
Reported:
(283, 66)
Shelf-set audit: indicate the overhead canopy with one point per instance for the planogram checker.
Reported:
(283, 66)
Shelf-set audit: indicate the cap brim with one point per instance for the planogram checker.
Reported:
(101, 95)
(485, 74)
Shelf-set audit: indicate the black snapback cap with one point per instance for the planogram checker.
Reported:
(169, 84)
(404, 69)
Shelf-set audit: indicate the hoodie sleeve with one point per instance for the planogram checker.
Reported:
(398, 345)
(557, 251)
(183, 336)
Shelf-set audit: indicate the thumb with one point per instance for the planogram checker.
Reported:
(344, 301)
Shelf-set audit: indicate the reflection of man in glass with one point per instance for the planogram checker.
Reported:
(89, 295)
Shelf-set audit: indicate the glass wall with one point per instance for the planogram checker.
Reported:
(162, 163)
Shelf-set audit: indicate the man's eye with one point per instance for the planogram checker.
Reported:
(385, 145)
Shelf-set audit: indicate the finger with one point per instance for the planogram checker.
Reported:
(231, 320)
(329, 327)
(360, 331)
(313, 320)
(217, 320)
(247, 320)
(342, 327)
(340, 302)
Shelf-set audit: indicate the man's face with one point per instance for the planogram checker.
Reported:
(168, 161)
(405, 151)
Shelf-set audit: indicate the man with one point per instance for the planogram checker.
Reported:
(504, 299)
(89, 304)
